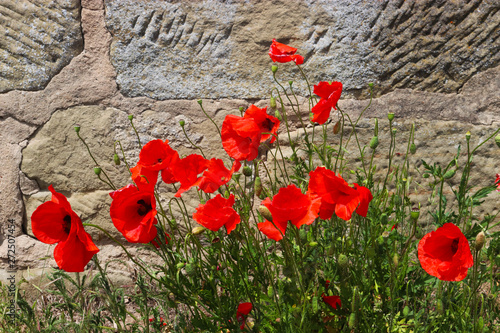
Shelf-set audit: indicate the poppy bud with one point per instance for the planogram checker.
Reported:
(336, 128)
(247, 171)
(342, 261)
(200, 102)
(374, 142)
(406, 311)
(480, 238)
(236, 177)
(226, 194)
(390, 116)
(415, 213)
(198, 230)
(77, 128)
(355, 300)
(182, 123)
(313, 244)
(190, 269)
(413, 148)
(97, 171)
(258, 186)
(497, 140)
(270, 291)
(116, 159)
(449, 174)
(180, 265)
(352, 321)
(467, 136)
(277, 114)
(264, 211)
(130, 117)
(274, 68)
(375, 133)
(273, 102)
(380, 240)
(241, 109)
(439, 306)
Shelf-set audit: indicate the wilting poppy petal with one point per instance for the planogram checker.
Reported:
(157, 155)
(144, 178)
(266, 123)
(445, 253)
(333, 301)
(216, 175)
(240, 137)
(55, 222)
(217, 212)
(283, 53)
(133, 214)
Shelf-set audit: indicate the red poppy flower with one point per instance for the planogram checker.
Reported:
(445, 253)
(242, 313)
(144, 178)
(55, 222)
(497, 181)
(395, 226)
(133, 213)
(283, 53)
(330, 95)
(167, 237)
(240, 137)
(290, 204)
(186, 171)
(157, 155)
(337, 196)
(217, 212)
(266, 123)
(161, 321)
(216, 175)
(333, 301)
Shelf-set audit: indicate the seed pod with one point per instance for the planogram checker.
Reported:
(449, 174)
(182, 123)
(274, 68)
(390, 116)
(116, 159)
(97, 171)
(415, 213)
(374, 142)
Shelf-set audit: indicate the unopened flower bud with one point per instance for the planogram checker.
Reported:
(413, 148)
(277, 114)
(480, 238)
(77, 128)
(200, 101)
(449, 174)
(264, 211)
(375, 133)
(116, 159)
(390, 116)
(497, 140)
(374, 142)
(180, 265)
(198, 230)
(313, 244)
(130, 117)
(247, 171)
(273, 102)
(182, 123)
(258, 186)
(97, 170)
(342, 260)
(274, 68)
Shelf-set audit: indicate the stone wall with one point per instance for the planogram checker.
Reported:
(434, 63)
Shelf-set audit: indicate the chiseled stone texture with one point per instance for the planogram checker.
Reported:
(37, 39)
(212, 49)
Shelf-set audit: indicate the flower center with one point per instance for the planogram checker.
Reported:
(160, 160)
(67, 224)
(454, 245)
(143, 208)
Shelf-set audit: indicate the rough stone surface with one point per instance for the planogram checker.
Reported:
(38, 38)
(214, 49)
